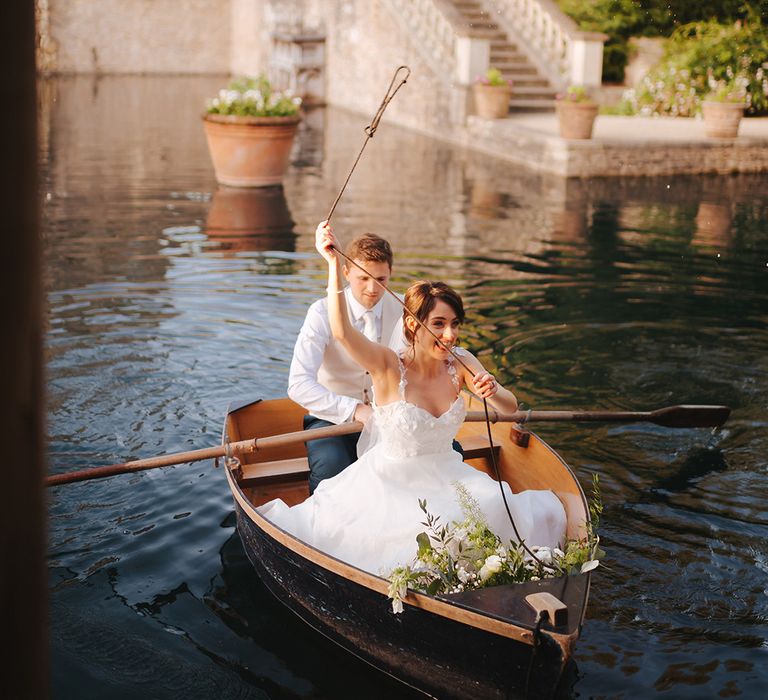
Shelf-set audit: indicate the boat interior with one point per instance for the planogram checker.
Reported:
(523, 460)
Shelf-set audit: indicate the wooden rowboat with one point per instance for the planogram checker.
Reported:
(477, 644)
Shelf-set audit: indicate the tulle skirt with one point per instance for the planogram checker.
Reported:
(369, 514)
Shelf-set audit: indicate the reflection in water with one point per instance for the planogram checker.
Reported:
(250, 219)
(713, 224)
(622, 294)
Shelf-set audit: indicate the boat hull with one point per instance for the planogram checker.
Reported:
(436, 655)
(484, 643)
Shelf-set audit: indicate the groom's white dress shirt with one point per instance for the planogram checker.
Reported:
(323, 378)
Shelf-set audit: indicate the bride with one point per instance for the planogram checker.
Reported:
(369, 514)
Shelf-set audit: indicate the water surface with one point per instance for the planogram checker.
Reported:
(170, 296)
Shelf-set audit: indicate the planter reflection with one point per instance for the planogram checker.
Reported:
(713, 224)
(485, 200)
(569, 225)
(251, 219)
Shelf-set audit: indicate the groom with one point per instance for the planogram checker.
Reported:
(323, 377)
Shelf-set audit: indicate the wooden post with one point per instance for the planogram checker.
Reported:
(23, 587)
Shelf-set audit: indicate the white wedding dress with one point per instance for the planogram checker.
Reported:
(369, 515)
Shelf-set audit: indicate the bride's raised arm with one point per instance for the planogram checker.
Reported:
(484, 385)
(372, 356)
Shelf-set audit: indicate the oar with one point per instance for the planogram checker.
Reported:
(670, 417)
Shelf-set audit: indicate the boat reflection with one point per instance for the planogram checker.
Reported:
(250, 219)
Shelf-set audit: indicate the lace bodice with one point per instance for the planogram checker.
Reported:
(408, 430)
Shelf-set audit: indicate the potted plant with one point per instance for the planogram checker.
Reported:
(492, 92)
(576, 112)
(250, 130)
(724, 106)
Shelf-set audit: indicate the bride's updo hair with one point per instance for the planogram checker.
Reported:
(421, 298)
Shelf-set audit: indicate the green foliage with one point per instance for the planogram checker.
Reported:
(253, 97)
(467, 555)
(493, 77)
(734, 90)
(575, 93)
(622, 19)
(707, 60)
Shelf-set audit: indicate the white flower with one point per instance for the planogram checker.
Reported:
(543, 554)
(558, 552)
(501, 550)
(397, 605)
(589, 565)
(463, 575)
(491, 566)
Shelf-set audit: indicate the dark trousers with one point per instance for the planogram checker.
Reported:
(331, 456)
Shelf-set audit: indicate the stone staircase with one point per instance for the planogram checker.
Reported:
(530, 89)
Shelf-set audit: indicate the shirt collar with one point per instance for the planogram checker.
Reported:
(358, 309)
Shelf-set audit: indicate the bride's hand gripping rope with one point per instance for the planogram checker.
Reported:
(484, 385)
(326, 241)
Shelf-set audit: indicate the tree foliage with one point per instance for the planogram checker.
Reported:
(622, 19)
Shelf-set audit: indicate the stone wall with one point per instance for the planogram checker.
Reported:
(140, 36)
(365, 44)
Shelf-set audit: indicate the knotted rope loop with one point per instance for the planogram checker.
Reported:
(371, 128)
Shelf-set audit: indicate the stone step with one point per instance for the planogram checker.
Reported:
(501, 46)
(479, 18)
(534, 91)
(505, 48)
(530, 81)
(490, 34)
(462, 5)
(532, 105)
(514, 67)
(530, 89)
(512, 54)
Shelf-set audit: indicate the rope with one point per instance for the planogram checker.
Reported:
(537, 636)
(370, 130)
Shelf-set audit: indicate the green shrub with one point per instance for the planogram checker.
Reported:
(702, 59)
(622, 19)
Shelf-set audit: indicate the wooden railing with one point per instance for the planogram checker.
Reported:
(564, 53)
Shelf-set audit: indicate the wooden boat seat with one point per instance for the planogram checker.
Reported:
(474, 446)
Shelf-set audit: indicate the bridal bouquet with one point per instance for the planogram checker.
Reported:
(467, 555)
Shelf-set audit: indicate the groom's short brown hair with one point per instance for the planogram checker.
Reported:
(369, 247)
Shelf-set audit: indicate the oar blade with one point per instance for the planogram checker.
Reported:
(691, 416)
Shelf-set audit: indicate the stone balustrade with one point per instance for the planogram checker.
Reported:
(453, 50)
(564, 53)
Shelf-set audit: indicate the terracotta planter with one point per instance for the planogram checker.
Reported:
(492, 101)
(576, 119)
(722, 119)
(250, 151)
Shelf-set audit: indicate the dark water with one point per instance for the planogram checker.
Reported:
(608, 294)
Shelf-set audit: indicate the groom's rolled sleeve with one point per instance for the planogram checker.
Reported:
(303, 387)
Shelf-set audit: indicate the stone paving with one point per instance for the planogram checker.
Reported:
(621, 146)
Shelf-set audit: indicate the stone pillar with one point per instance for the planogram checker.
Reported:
(473, 57)
(585, 58)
